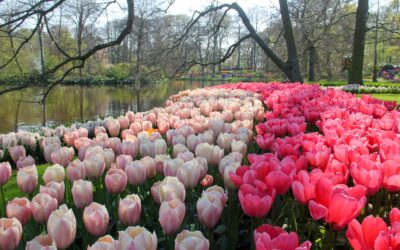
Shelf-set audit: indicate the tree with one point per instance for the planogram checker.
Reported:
(290, 68)
(359, 42)
(23, 13)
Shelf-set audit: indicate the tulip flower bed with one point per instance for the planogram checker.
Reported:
(238, 166)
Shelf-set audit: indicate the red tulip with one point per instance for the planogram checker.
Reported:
(363, 236)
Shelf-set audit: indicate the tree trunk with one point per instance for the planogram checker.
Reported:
(359, 42)
(375, 73)
(311, 63)
(292, 62)
(238, 50)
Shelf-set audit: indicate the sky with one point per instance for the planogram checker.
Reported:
(188, 6)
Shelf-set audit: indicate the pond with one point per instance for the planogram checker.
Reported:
(66, 104)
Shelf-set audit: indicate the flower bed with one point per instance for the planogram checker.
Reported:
(249, 165)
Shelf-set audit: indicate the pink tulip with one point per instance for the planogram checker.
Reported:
(239, 146)
(147, 148)
(303, 187)
(105, 242)
(192, 141)
(224, 141)
(115, 144)
(99, 129)
(136, 172)
(70, 137)
(10, 233)
(19, 208)
(171, 215)
(82, 193)
(188, 240)
(150, 165)
(44, 242)
(42, 206)
(17, 152)
(159, 162)
(61, 226)
(160, 147)
(391, 175)
(55, 190)
(24, 162)
(76, 171)
(109, 157)
(5, 172)
(254, 201)
(115, 180)
(94, 166)
(95, 217)
(27, 179)
(270, 237)
(319, 157)
(137, 238)
(129, 210)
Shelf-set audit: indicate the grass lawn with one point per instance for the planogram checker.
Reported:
(11, 189)
(386, 97)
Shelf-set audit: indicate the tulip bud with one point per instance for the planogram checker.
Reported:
(76, 171)
(209, 209)
(136, 172)
(55, 190)
(106, 242)
(94, 166)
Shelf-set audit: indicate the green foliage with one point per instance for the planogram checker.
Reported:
(118, 71)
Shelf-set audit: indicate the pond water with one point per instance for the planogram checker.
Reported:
(66, 104)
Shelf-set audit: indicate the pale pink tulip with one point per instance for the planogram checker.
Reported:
(76, 171)
(171, 215)
(105, 243)
(115, 180)
(94, 166)
(171, 166)
(42, 206)
(95, 217)
(171, 188)
(54, 173)
(137, 238)
(122, 161)
(61, 226)
(48, 150)
(213, 154)
(129, 209)
(55, 190)
(136, 172)
(113, 127)
(159, 162)
(19, 208)
(150, 165)
(24, 162)
(10, 233)
(17, 152)
(129, 148)
(5, 172)
(41, 242)
(82, 193)
(189, 173)
(62, 156)
(27, 179)
(209, 209)
(188, 240)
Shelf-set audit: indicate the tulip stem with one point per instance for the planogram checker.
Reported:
(4, 201)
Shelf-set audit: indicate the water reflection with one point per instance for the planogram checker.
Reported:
(66, 104)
